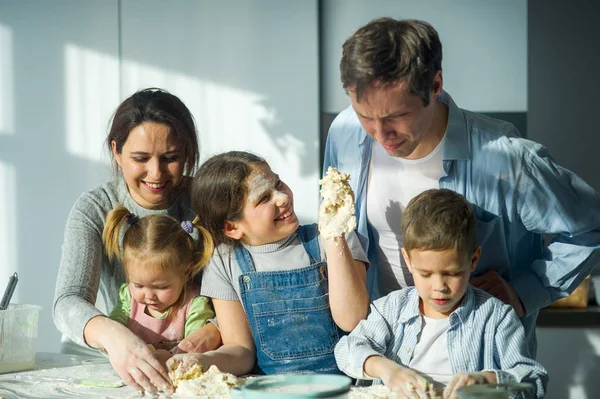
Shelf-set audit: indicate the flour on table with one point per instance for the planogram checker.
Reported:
(195, 382)
(336, 215)
(383, 392)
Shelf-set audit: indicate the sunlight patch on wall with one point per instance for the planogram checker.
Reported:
(228, 118)
(8, 226)
(7, 125)
(92, 95)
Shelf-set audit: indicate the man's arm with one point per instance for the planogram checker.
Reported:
(553, 200)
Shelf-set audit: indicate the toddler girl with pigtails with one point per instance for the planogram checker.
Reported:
(160, 302)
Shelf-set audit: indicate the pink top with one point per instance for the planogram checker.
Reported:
(161, 333)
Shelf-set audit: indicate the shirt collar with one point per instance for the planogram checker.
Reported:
(457, 142)
(464, 310)
(411, 310)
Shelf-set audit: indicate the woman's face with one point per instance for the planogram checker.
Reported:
(152, 164)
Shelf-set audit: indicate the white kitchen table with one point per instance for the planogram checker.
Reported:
(38, 383)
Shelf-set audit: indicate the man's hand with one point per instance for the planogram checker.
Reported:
(465, 379)
(202, 340)
(492, 283)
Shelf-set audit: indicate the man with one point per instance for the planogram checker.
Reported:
(403, 134)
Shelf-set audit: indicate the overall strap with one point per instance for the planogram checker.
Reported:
(309, 235)
(244, 261)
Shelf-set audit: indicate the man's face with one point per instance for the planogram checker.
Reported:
(399, 121)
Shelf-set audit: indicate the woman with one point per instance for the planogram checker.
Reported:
(154, 147)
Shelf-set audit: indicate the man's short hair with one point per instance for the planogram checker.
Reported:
(387, 51)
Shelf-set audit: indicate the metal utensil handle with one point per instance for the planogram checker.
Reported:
(10, 289)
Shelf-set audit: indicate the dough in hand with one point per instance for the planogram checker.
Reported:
(336, 215)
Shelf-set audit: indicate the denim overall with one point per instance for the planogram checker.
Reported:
(289, 313)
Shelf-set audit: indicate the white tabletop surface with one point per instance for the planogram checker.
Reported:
(25, 385)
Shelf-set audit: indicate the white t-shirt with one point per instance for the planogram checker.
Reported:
(431, 353)
(392, 183)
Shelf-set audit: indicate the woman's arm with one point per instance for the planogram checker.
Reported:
(78, 276)
(348, 296)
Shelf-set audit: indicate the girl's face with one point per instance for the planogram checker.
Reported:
(269, 211)
(151, 163)
(155, 288)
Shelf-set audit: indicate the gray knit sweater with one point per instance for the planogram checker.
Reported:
(88, 283)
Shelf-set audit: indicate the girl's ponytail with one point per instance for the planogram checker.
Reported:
(205, 247)
(112, 230)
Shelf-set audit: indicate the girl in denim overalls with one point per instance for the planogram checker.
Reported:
(280, 307)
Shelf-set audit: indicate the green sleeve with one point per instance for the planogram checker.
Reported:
(122, 309)
(200, 311)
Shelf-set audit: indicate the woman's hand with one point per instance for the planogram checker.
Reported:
(465, 379)
(202, 340)
(130, 357)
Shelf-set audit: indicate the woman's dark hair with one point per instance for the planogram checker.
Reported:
(220, 189)
(156, 106)
(386, 51)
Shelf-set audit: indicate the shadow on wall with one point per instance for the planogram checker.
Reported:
(572, 358)
(227, 45)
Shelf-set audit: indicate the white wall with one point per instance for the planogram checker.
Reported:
(52, 120)
(484, 44)
(247, 73)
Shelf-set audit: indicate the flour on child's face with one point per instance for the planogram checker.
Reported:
(269, 211)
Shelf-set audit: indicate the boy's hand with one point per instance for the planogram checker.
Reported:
(406, 382)
(465, 379)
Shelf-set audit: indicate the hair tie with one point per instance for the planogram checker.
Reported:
(187, 226)
(131, 219)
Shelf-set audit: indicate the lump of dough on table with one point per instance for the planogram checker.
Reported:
(196, 382)
(336, 215)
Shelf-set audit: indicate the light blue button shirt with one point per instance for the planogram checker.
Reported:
(518, 192)
(483, 334)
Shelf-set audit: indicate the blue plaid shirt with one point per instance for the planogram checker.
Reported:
(518, 193)
(483, 334)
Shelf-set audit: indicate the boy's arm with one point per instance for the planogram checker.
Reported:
(371, 338)
(122, 309)
(511, 355)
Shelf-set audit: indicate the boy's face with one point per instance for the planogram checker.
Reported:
(441, 278)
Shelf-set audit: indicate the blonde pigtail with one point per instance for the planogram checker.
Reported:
(205, 247)
(112, 230)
